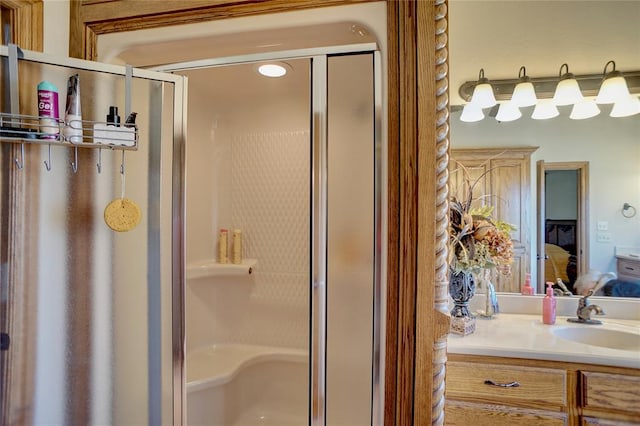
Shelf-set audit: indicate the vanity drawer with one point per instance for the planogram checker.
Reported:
(628, 269)
(470, 413)
(610, 391)
(539, 387)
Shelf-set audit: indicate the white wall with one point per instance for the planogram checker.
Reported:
(561, 194)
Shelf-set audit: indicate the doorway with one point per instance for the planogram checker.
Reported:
(562, 222)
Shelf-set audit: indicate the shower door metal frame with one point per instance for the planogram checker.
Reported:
(318, 294)
(165, 265)
(318, 297)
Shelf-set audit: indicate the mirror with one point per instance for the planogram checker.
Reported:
(502, 36)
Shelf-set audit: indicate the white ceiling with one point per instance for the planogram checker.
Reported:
(497, 35)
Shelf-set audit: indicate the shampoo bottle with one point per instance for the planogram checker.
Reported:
(73, 111)
(223, 247)
(549, 306)
(48, 110)
(237, 247)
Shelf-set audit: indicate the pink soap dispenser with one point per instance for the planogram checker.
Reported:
(549, 306)
(527, 290)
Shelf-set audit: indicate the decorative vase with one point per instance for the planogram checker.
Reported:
(462, 287)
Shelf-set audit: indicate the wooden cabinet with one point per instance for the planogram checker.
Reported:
(628, 269)
(504, 183)
(474, 395)
(606, 395)
(548, 393)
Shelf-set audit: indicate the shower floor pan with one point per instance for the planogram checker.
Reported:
(244, 385)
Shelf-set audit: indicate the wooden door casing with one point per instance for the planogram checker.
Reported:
(417, 319)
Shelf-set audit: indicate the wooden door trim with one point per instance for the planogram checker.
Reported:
(417, 320)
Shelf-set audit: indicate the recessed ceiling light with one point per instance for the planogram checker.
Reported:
(272, 70)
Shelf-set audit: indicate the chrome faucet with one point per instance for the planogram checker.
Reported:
(585, 309)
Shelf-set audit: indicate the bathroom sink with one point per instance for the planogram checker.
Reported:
(612, 339)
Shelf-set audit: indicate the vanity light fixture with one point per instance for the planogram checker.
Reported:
(545, 109)
(508, 111)
(524, 94)
(614, 86)
(584, 109)
(471, 113)
(545, 88)
(627, 107)
(275, 69)
(483, 92)
(567, 91)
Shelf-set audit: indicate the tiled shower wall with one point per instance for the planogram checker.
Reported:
(248, 168)
(270, 203)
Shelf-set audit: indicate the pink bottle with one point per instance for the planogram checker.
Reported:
(527, 290)
(549, 306)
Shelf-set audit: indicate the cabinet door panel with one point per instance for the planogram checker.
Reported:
(539, 387)
(465, 414)
(610, 392)
(509, 193)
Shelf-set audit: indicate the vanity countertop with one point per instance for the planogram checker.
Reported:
(525, 336)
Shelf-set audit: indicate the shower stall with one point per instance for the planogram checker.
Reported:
(291, 334)
(150, 326)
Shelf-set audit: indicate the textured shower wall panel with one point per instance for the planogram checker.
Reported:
(270, 203)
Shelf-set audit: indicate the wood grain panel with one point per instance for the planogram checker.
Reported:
(595, 421)
(539, 387)
(465, 414)
(505, 186)
(508, 187)
(610, 392)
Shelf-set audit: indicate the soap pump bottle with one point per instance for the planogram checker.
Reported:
(527, 290)
(549, 306)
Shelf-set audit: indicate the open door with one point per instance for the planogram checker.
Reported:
(562, 219)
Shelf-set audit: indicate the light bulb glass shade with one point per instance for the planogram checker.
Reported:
(613, 89)
(471, 113)
(524, 95)
(626, 107)
(545, 109)
(567, 92)
(508, 111)
(272, 70)
(584, 109)
(483, 96)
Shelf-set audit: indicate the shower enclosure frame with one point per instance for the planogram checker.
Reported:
(319, 140)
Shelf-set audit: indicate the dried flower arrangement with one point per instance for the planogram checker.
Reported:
(477, 240)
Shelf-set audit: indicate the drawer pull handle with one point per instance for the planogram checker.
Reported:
(502, 385)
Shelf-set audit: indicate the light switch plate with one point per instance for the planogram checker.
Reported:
(603, 226)
(603, 237)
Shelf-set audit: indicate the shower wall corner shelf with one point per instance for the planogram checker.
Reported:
(210, 268)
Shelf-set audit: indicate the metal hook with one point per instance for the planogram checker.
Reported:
(47, 164)
(20, 163)
(99, 165)
(74, 164)
(631, 213)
